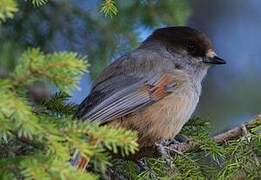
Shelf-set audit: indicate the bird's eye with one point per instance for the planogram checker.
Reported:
(191, 48)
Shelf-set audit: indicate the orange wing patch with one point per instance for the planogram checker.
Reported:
(158, 90)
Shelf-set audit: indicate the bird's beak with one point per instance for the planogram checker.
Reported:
(212, 58)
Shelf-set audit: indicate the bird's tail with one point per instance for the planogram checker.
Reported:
(78, 161)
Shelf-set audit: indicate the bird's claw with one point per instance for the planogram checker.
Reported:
(164, 151)
(170, 146)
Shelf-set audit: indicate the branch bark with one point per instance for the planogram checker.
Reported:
(238, 131)
(221, 138)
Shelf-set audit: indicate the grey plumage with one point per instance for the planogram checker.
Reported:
(171, 64)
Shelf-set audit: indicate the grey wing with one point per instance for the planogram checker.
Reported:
(122, 93)
(105, 105)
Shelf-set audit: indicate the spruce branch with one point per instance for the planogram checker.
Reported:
(58, 103)
(109, 8)
(17, 114)
(7, 9)
(222, 138)
(41, 167)
(38, 3)
(45, 136)
(63, 69)
(236, 152)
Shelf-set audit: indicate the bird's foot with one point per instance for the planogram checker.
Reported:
(163, 150)
(172, 146)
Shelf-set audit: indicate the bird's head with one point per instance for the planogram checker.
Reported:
(191, 47)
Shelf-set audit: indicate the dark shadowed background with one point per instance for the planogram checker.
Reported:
(231, 93)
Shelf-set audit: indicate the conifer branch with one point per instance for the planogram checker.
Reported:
(222, 138)
(109, 8)
(7, 9)
(39, 2)
(41, 139)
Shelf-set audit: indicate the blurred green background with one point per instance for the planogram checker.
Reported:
(231, 93)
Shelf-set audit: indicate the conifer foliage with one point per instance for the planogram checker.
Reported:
(7, 9)
(37, 141)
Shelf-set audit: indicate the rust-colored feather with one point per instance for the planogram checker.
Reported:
(158, 91)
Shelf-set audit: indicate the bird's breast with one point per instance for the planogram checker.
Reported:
(165, 118)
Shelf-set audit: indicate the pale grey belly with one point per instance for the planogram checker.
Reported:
(172, 113)
(163, 119)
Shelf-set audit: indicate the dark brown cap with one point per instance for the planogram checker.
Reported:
(192, 40)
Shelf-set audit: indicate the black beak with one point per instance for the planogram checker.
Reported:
(214, 60)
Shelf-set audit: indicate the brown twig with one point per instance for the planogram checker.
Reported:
(238, 131)
(233, 133)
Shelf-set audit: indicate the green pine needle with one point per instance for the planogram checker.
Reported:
(7, 9)
(64, 69)
(109, 8)
(38, 3)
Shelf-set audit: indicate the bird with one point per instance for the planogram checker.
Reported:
(155, 88)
